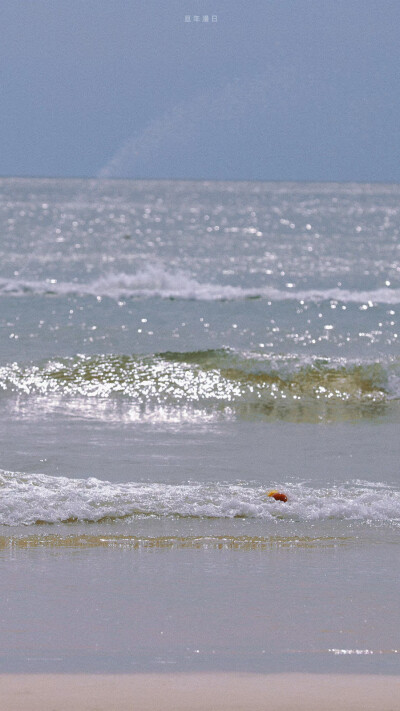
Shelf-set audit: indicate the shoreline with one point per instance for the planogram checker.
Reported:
(200, 692)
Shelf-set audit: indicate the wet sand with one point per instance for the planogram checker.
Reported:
(200, 692)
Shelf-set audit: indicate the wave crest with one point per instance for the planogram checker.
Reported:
(216, 383)
(38, 498)
(154, 281)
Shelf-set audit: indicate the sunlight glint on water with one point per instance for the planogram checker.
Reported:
(170, 352)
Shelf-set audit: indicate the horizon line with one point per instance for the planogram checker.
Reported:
(199, 180)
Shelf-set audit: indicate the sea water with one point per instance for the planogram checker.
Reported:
(170, 352)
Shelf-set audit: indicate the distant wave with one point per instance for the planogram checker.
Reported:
(150, 282)
(157, 282)
(39, 498)
(205, 385)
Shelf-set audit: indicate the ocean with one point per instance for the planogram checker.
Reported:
(170, 352)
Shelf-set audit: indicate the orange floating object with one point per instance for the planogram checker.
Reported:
(277, 495)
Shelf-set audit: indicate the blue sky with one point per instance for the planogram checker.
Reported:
(274, 90)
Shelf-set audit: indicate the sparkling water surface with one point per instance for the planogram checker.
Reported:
(169, 353)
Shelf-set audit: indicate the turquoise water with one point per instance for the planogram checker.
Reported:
(170, 352)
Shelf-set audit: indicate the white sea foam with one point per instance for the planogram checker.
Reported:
(154, 281)
(30, 498)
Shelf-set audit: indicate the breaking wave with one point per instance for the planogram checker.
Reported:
(207, 384)
(157, 282)
(38, 498)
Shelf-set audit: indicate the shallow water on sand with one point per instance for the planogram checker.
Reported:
(273, 608)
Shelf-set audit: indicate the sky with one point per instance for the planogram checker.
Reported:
(269, 90)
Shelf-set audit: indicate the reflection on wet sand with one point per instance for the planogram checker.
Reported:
(242, 543)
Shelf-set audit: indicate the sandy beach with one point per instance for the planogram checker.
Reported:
(200, 692)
